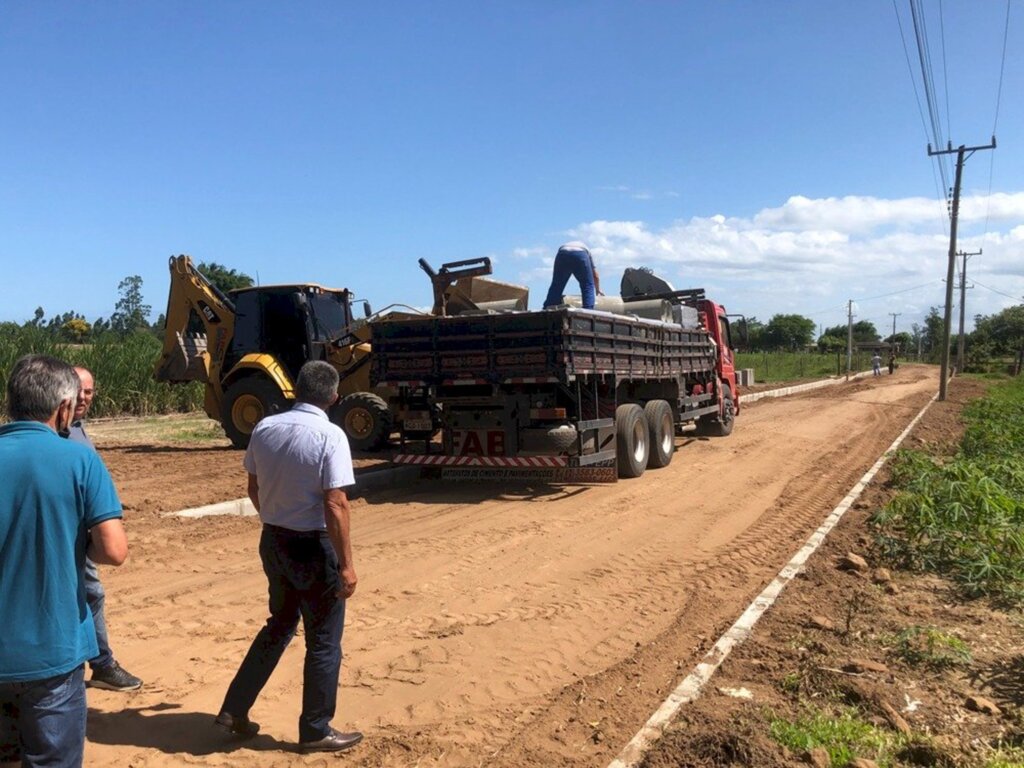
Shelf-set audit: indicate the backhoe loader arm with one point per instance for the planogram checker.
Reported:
(190, 357)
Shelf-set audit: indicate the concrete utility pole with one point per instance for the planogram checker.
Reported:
(961, 155)
(892, 339)
(963, 302)
(849, 338)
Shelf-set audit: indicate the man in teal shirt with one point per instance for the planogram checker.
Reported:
(57, 505)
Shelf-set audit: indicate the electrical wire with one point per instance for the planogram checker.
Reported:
(945, 75)
(928, 81)
(896, 293)
(995, 290)
(995, 121)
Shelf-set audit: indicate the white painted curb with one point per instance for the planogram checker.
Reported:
(372, 480)
(783, 391)
(691, 686)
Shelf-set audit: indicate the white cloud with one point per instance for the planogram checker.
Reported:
(809, 251)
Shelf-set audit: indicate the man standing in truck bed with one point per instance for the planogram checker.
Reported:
(574, 260)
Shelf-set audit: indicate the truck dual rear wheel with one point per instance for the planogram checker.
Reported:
(632, 441)
(246, 402)
(720, 425)
(662, 430)
(365, 418)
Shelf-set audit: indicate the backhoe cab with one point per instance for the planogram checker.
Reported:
(248, 346)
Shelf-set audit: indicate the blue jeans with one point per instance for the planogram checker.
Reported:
(95, 597)
(303, 581)
(572, 264)
(42, 722)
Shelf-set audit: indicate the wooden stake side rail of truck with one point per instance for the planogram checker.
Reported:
(562, 394)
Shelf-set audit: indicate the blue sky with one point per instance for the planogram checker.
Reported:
(770, 152)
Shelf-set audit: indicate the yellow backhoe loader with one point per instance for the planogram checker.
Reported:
(248, 346)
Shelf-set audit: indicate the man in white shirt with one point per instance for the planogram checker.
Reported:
(299, 465)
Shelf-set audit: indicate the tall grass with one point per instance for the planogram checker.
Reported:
(123, 370)
(792, 366)
(964, 517)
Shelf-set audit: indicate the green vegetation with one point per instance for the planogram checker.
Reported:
(844, 736)
(791, 366)
(1009, 757)
(123, 368)
(930, 647)
(964, 518)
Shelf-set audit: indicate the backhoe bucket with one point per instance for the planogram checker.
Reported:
(186, 361)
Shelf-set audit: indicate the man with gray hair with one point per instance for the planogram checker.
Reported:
(57, 505)
(299, 465)
(106, 671)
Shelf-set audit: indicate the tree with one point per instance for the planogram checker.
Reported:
(224, 278)
(903, 342)
(788, 332)
(863, 330)
(1002, 332)
(832, 343)
(130, 314)
(75, 329)
(755, 328)
(931, 335)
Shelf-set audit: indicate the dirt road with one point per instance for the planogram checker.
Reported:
(494, 625)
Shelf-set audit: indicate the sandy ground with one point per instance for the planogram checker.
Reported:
(494, 624)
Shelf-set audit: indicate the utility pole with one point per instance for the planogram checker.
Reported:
(849, 338)
(963, 302)
(961, 155)
(892, 339)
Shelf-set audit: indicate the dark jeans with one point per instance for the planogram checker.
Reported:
(303, 580)
(43, 721)
(572, 264)
(95, 597)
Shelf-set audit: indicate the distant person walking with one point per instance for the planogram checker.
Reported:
(876, 364)
(892, 363)
(106, 672)
(57, 505)
(299, 465)
(574, 260)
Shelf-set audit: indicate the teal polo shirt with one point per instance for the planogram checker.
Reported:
(52, 491)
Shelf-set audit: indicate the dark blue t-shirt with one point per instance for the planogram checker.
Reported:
(51, 492)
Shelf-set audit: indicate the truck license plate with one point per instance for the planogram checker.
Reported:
(418, 425)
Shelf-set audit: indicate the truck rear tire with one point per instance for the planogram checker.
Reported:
(365, 419)
(246, 402)
(720, 425)
(662, 432)
(632, 440)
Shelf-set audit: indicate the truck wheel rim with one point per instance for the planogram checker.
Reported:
(246, 411)
(358, 422)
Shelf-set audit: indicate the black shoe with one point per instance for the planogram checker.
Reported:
(334, 741)
(240, 726)
(114, 678)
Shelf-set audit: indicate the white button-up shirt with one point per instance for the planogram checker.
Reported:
(296, 456)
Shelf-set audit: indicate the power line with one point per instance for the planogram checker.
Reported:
(995, 290)
(895, 293)
(1002, 66)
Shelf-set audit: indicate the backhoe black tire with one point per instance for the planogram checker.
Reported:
(719, 425)
(365, 419)
(246, 402)
(632, 440)
(662, 433)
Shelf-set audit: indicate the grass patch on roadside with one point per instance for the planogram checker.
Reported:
(964, 517)
(1012, 757)
(844, 736)
(931, 648)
